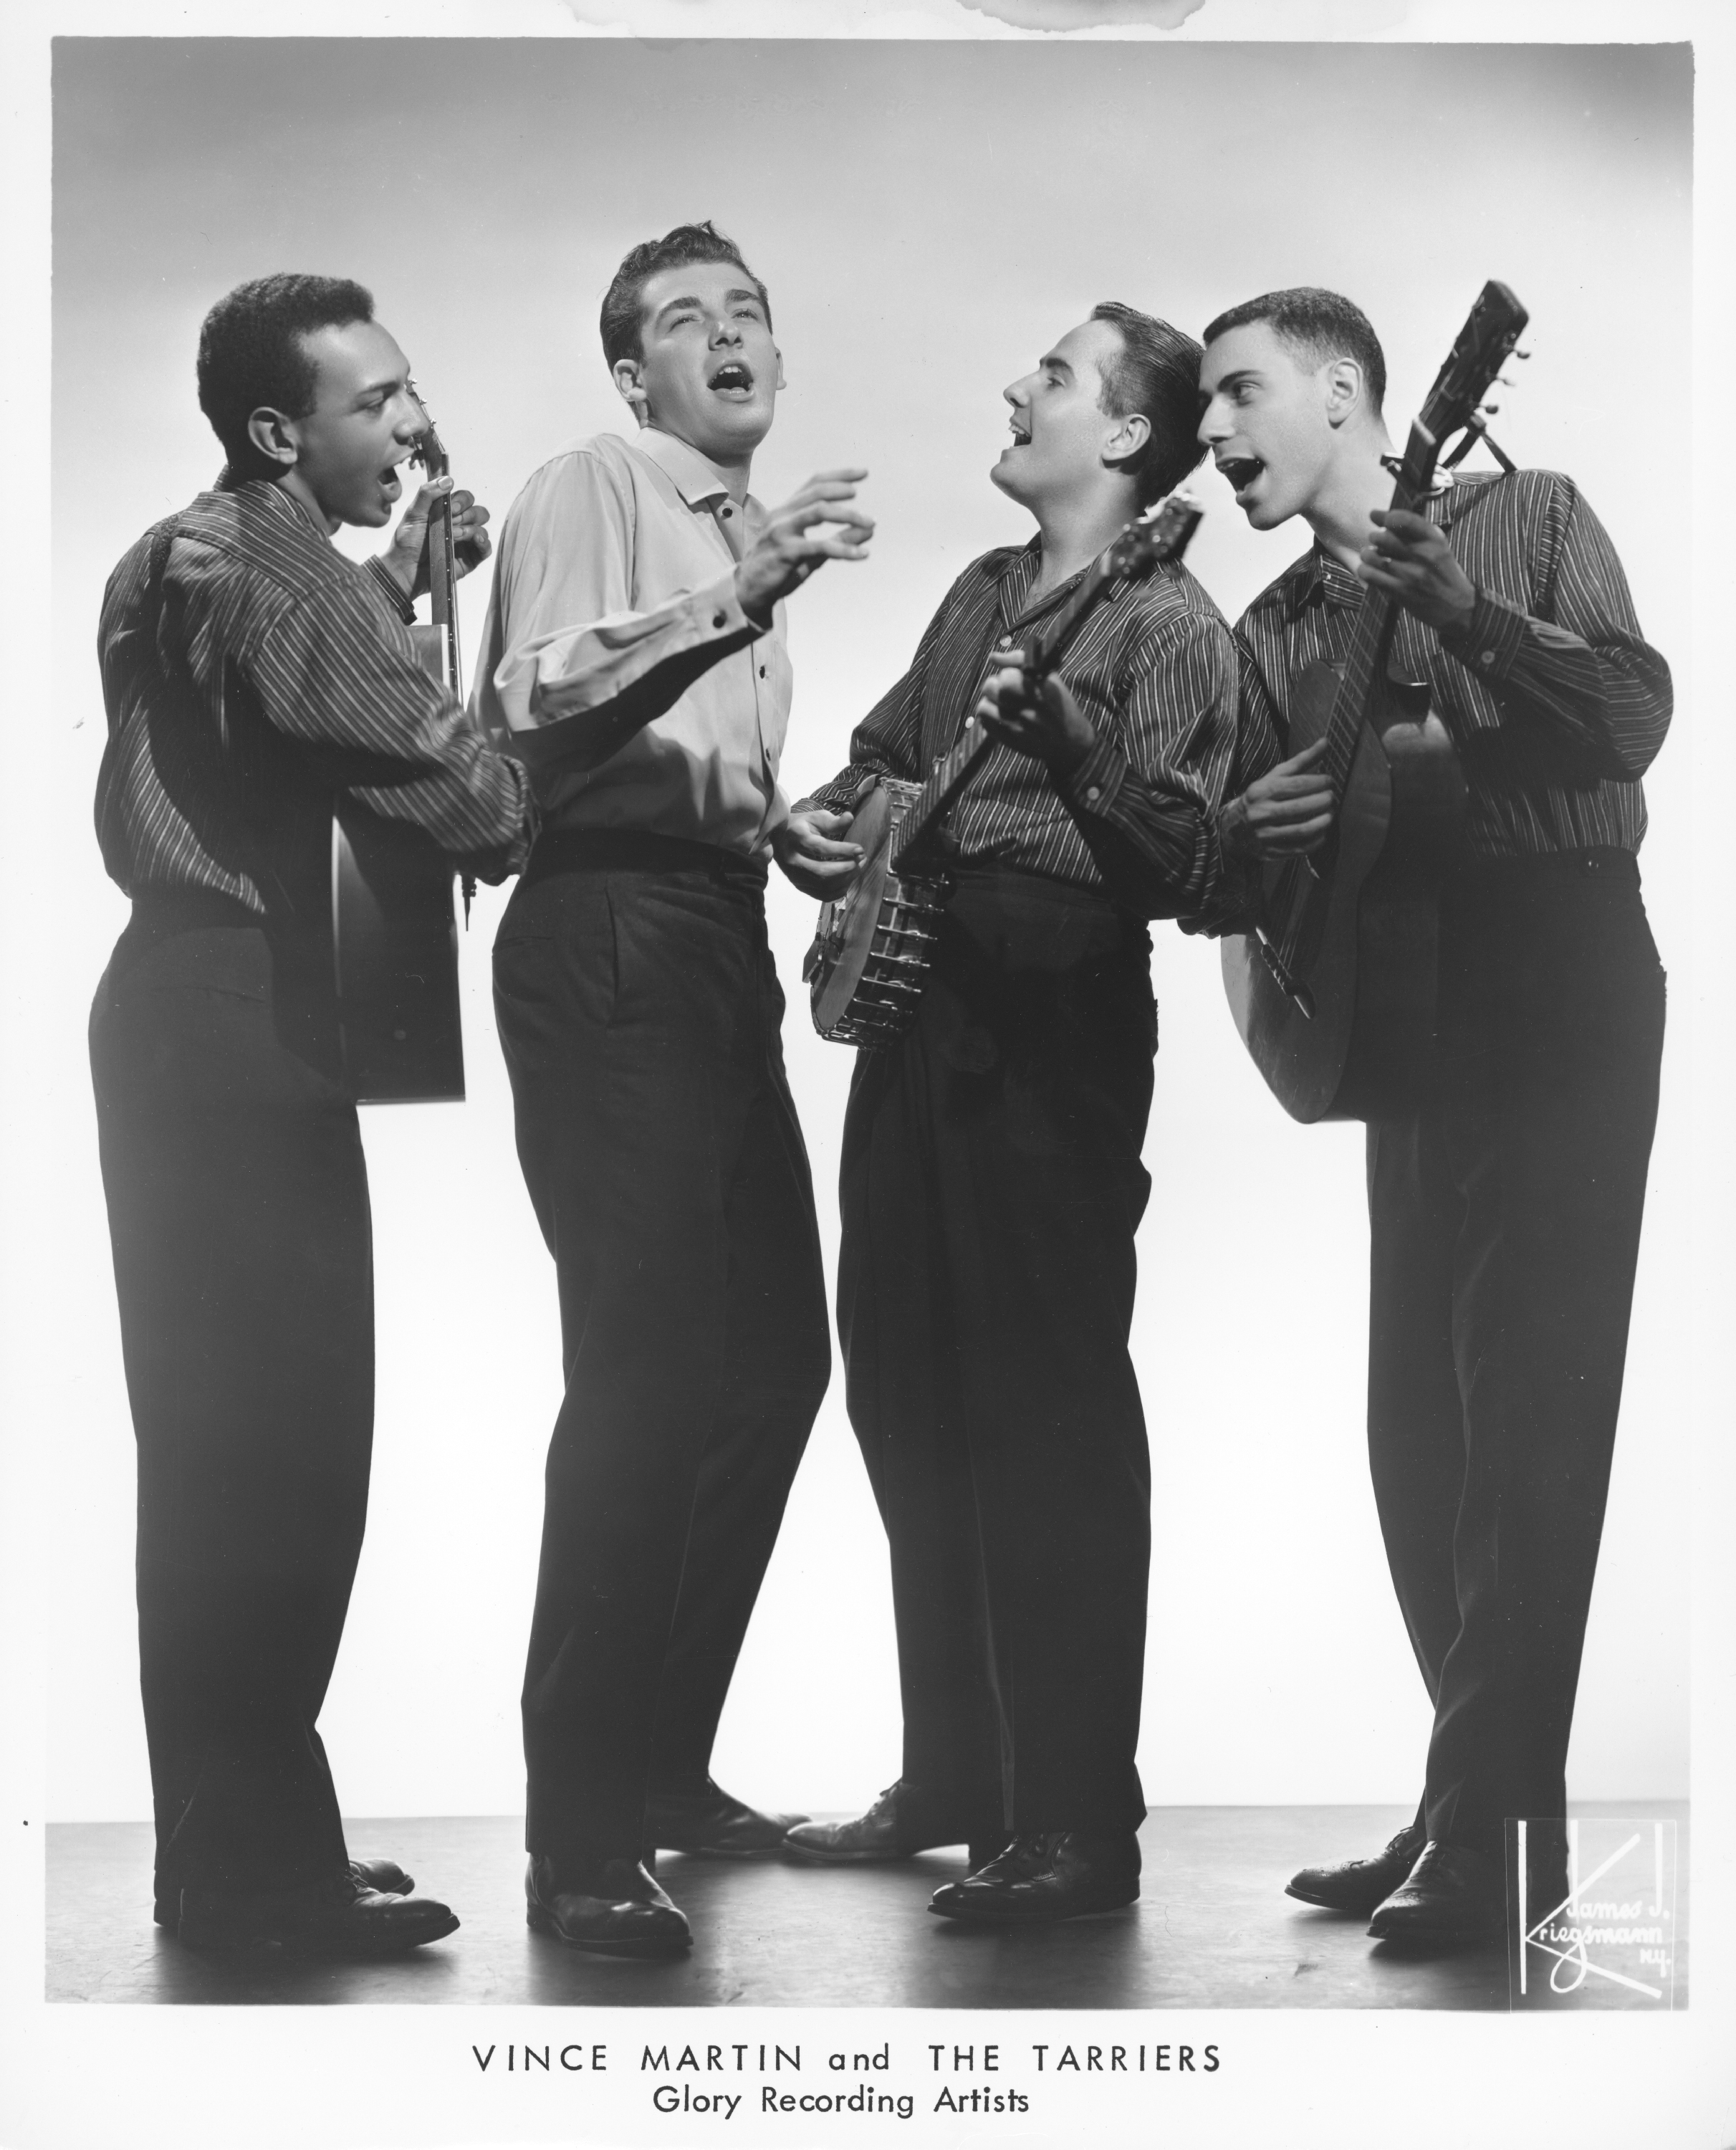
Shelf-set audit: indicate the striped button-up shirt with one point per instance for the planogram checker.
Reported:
(1153, 669)
(251, 673)
(1555, 704)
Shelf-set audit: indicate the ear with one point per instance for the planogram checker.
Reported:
(275, 437)
(1343, 383)
(781, 381)
(629, 379)
(1130, 434)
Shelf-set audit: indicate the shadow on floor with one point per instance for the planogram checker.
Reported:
(1213, 1928)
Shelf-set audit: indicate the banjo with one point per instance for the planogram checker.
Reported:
(871, 952)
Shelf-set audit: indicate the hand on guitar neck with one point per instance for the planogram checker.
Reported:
(1042, 718)
(405, 559)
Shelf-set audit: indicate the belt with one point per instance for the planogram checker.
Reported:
(1597, 862)
(639, 850)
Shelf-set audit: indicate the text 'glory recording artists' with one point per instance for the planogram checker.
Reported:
(1404, 790)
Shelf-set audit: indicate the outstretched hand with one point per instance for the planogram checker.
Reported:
(796, 541)
(405, 559)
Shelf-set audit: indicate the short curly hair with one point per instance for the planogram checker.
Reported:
(623, 303)
(1318, 325)
(251, 353)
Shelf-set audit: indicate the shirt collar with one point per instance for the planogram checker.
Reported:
(695, 477)
(1320, 577)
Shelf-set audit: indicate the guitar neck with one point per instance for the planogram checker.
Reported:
(1365, 663)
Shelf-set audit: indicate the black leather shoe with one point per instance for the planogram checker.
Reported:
(873, 1835)
(384, 1875)
(710, 1825)
(1041, 1879)
(1451, 1895)
(1358, 1884)
(610, 1907)
(343, 1918)
(978, 1855)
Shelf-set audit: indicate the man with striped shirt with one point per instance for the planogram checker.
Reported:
(992, 1182)
(251, 674)
(1505, 1209)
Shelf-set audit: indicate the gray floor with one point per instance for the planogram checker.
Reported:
(1213, 1929)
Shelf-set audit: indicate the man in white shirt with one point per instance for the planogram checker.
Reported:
(634, 658)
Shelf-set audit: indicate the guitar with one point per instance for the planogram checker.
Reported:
(393, 929)
(871, 952)
(1334, 989)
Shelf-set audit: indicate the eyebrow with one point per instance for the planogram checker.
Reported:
(1057, 365)
(1230, 380)
(389, 386)
(670, 305)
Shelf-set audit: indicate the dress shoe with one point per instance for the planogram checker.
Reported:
(384, 1875)
(978, 1855)
(610, 1907)
(1451, 1895)
(338, 1918)
(710, 1825)
(872, 1837)
(1040, 1879)
(1358, 1884)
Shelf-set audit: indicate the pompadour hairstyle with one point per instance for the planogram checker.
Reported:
(1156, 373)
(623, 302)
(1320, 326)
(251, 353)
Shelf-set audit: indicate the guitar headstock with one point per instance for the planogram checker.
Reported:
(428, 449)
(1163, 532)
(1484, 345)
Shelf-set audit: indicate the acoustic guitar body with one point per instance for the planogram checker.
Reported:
(1364, 924)
(394, 945)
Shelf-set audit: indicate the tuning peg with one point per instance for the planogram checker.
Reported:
(1491, 410)
(1517, 353)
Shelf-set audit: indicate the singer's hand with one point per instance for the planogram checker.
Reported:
(405, 559)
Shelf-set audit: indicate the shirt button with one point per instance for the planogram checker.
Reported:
(1093, 796)
(727, 512)
(1005, 643)
(1486, 658)
(762, 671)
(718, 618)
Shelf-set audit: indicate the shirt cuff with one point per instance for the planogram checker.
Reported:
(403, 606)
(719, 611)
(1490, 640)
(1094, 784)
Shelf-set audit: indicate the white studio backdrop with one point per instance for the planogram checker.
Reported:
(929, 217)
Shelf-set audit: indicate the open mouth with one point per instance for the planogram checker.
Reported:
(1241, 471)
(1021, 433)
(733, 378)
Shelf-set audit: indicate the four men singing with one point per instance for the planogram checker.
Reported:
(623, 755)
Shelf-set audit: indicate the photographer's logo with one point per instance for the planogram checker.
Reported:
(1592, 1912)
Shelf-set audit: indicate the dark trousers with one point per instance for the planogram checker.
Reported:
(640, 1014)
(237, 1207)
(1505, 1219)
(991, 1187)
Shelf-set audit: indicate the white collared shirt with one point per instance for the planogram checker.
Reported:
(613, 588)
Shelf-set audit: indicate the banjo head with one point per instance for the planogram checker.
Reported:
(871, 949)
